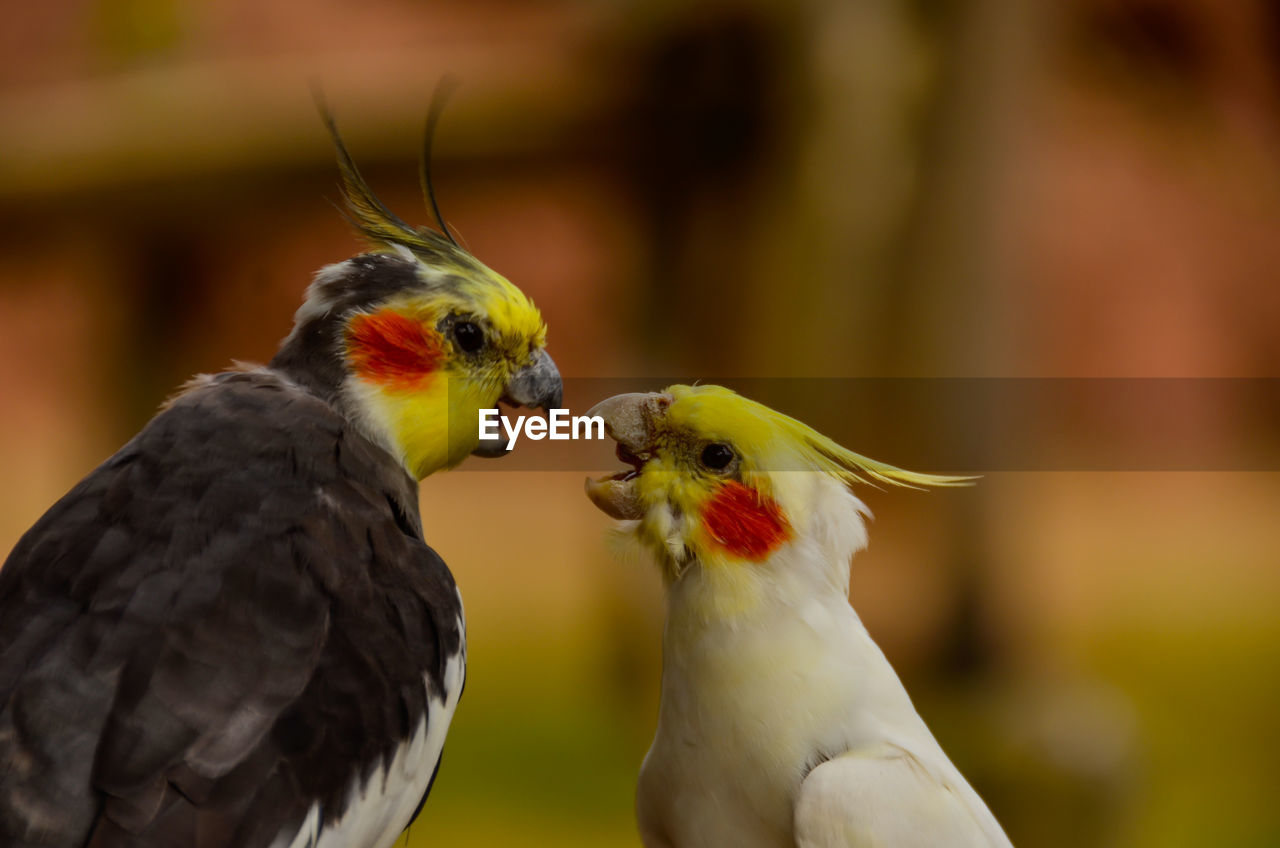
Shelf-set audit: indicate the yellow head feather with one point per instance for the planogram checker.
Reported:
(768, 440)
(431, 421)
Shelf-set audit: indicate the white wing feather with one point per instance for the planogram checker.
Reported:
(890, 799)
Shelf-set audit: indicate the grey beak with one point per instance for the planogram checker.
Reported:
(538, 384)
(492, 448)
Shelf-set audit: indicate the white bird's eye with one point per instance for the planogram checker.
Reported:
(468, 336)
(717, 456)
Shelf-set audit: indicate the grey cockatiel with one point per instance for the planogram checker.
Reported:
(232, 634)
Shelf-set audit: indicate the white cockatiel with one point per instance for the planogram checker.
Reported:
(781, 722)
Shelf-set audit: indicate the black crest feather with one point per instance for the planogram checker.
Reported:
(445, 88)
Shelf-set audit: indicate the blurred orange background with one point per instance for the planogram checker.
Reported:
(824, 188)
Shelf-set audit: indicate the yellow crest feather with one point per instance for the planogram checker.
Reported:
(381, 227)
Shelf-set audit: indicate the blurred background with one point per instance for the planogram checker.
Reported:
(814, 189)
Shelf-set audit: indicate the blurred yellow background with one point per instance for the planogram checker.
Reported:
(820, 188)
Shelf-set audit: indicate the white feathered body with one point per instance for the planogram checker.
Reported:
(781, 721)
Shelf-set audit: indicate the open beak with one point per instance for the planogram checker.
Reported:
(537, 386)
(631, 421)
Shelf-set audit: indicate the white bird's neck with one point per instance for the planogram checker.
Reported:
(778, 642)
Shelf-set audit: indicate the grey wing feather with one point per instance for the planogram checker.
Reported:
(175, 653)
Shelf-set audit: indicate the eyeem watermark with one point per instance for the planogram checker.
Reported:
(559, 425)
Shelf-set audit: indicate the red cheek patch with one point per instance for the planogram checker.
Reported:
(390, 349)
(744, 522)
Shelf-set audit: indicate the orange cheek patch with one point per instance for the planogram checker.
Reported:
(744, 522)
(390, 349)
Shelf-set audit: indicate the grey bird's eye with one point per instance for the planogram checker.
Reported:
(468, 336)
(717, 456)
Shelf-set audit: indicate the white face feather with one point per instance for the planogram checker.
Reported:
(829, 526)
